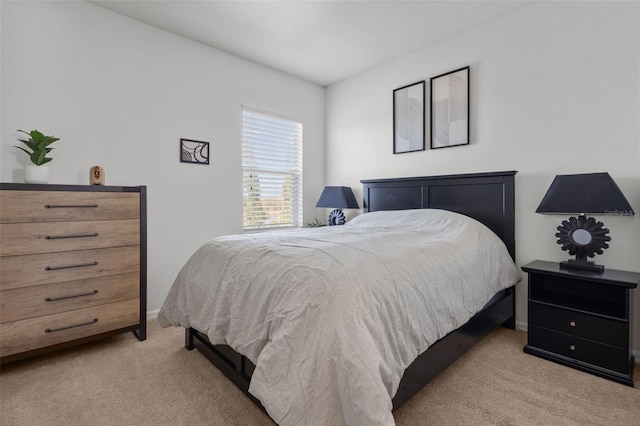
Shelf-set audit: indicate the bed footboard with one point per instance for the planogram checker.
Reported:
(238, 368)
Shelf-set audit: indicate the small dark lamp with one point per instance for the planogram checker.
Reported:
(338, 197)
(582, 194)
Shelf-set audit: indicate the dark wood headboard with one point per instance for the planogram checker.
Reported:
(486, 197)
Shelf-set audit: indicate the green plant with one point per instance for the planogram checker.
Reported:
(316, 223)
(38, 145)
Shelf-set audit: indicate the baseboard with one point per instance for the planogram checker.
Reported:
(152, 314)
(522, 326)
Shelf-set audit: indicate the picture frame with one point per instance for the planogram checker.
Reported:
(194, 152)
(449, 100)
(408, 118)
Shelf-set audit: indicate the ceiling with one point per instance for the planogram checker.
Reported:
(319, 41)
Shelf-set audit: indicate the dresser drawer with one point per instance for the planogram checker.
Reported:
(597, 354)
(596, 328)
(42, 237)
(26, 335)
(36, 301)
(37, 269)
(65, 206)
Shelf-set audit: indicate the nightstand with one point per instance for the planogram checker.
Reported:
(582, 319)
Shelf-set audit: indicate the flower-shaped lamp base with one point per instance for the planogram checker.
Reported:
(336, 217)
(583, 237)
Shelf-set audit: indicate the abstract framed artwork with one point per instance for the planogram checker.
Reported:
(449, 98)
(408, 118)
(195, 152)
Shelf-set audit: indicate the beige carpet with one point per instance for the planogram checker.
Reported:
(121, 381)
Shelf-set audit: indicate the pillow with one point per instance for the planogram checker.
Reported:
(414, 218)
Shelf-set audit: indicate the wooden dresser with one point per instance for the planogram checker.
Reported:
(72, 265)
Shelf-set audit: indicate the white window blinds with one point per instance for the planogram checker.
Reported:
(272, 171)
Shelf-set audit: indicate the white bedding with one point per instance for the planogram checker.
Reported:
(332, 316)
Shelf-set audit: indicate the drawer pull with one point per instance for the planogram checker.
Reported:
(53, 299)
(53, 330)
(58, 237)
(55, 268)
(70, 206)
(572, 347)
(572, 323)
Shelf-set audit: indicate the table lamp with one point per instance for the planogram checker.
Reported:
(582, 194)
(338, 197)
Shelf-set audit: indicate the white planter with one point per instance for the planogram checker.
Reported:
(36, 174)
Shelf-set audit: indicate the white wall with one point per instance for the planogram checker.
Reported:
(120, 94)
(554, 90)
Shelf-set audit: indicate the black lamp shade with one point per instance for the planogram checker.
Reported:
(590, 193)
(337, 197)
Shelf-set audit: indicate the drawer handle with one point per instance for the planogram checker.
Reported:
(572, 347)
(55, 268)
(58, 237)
(70, 206)
(53, 299)
(53, 330)
(572, 323)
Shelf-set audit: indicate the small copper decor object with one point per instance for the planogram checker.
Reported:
(96, 175)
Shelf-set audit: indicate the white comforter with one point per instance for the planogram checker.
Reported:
(332, 316)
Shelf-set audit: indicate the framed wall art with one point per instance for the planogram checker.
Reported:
(195, 152)
(450, 109)
(408, 118)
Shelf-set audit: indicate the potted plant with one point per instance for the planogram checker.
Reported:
(37, 148)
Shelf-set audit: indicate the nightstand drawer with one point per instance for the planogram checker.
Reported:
(595, 328)
(37, 269)
(66, 206)
(584, 350)
(36, 301)
(34, 333)
(45, 237)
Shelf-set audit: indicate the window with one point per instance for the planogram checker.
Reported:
(272, 171)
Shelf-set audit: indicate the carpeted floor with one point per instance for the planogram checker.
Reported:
(121, 381)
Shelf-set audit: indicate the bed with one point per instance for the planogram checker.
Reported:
(356, 357)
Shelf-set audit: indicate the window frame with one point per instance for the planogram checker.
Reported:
(272, 149)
